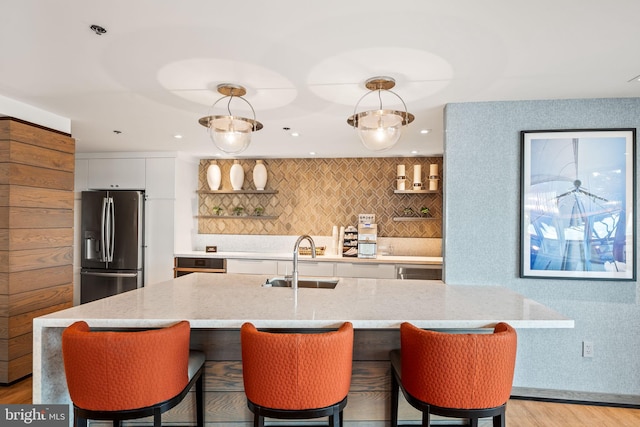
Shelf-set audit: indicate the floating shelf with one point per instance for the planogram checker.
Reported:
(239, 216)
(412, 218)
(415, 191)
(237, 192)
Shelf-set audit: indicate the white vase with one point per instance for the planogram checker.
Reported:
(260, 175)
(236, 175)
(214, 176)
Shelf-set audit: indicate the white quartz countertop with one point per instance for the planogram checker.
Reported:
(288, 256)
(229, 300)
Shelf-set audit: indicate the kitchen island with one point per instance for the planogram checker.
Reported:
(217, 305)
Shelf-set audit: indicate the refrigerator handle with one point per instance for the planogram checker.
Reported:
(112, 229)
(99, 274)
(103, 231)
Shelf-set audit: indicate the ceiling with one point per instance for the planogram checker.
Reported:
(304, 64)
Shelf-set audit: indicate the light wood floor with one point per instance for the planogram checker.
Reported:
(520, 413)
(18, 393)
(526, 413)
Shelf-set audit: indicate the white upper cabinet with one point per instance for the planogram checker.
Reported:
(161, 177)
(81, 175)
(116, 174)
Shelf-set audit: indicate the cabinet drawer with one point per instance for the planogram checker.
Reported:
(186, 265)
(369, 271)
(208, 263)
(252, 266)
(307, 268)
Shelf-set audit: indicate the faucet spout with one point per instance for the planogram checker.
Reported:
(296, 247)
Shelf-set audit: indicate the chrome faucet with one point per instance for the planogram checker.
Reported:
(296, 247)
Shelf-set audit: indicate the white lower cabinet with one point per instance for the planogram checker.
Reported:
(307, 268)
(312, 268)
(252, 266)
(368, 270)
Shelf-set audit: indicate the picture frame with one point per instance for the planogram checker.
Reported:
(578, 204)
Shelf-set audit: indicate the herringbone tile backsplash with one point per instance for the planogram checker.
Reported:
(315, 194)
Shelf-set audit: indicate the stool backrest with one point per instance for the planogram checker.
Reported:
(115, 371)
(296, 370)
(466, 371)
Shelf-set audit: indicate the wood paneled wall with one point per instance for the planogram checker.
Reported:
(36, 235)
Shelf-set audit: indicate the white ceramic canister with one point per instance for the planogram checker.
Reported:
(214, 176)
(260, 175)
(236, 175)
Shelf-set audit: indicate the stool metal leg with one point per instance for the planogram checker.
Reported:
(79, 421)
(200, 401)
(426, 419)
(334, 420)
(157, 418)
(395, 390)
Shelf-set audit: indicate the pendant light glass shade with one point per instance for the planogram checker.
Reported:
(231, 134)
(380, 129)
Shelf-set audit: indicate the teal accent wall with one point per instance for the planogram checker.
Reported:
(481, 243)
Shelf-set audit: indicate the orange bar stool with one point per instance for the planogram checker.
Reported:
(126, 375)
(297, 375)
(454, 375)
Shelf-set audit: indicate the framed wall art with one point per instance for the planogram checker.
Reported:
(577, 204)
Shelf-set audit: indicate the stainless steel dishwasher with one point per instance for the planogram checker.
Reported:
(419, 271)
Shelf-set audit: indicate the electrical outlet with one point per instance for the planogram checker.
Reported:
(587, 349)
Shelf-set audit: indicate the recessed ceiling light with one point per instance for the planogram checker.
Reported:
(290, 132)
(98, 29)
(312, 153)
(414, 152)
(177, 136)
(425, 131)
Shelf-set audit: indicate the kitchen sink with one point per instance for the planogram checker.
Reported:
(285, 282)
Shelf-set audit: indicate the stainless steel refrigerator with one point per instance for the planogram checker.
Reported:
(112, 243)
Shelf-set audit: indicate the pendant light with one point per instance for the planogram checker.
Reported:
(380, 129)
(231, 134)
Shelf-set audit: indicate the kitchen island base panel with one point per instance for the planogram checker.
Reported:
(368, 400)
(225, 401)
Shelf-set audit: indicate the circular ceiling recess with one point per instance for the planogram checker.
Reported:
(418, 74)
(196, 80)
